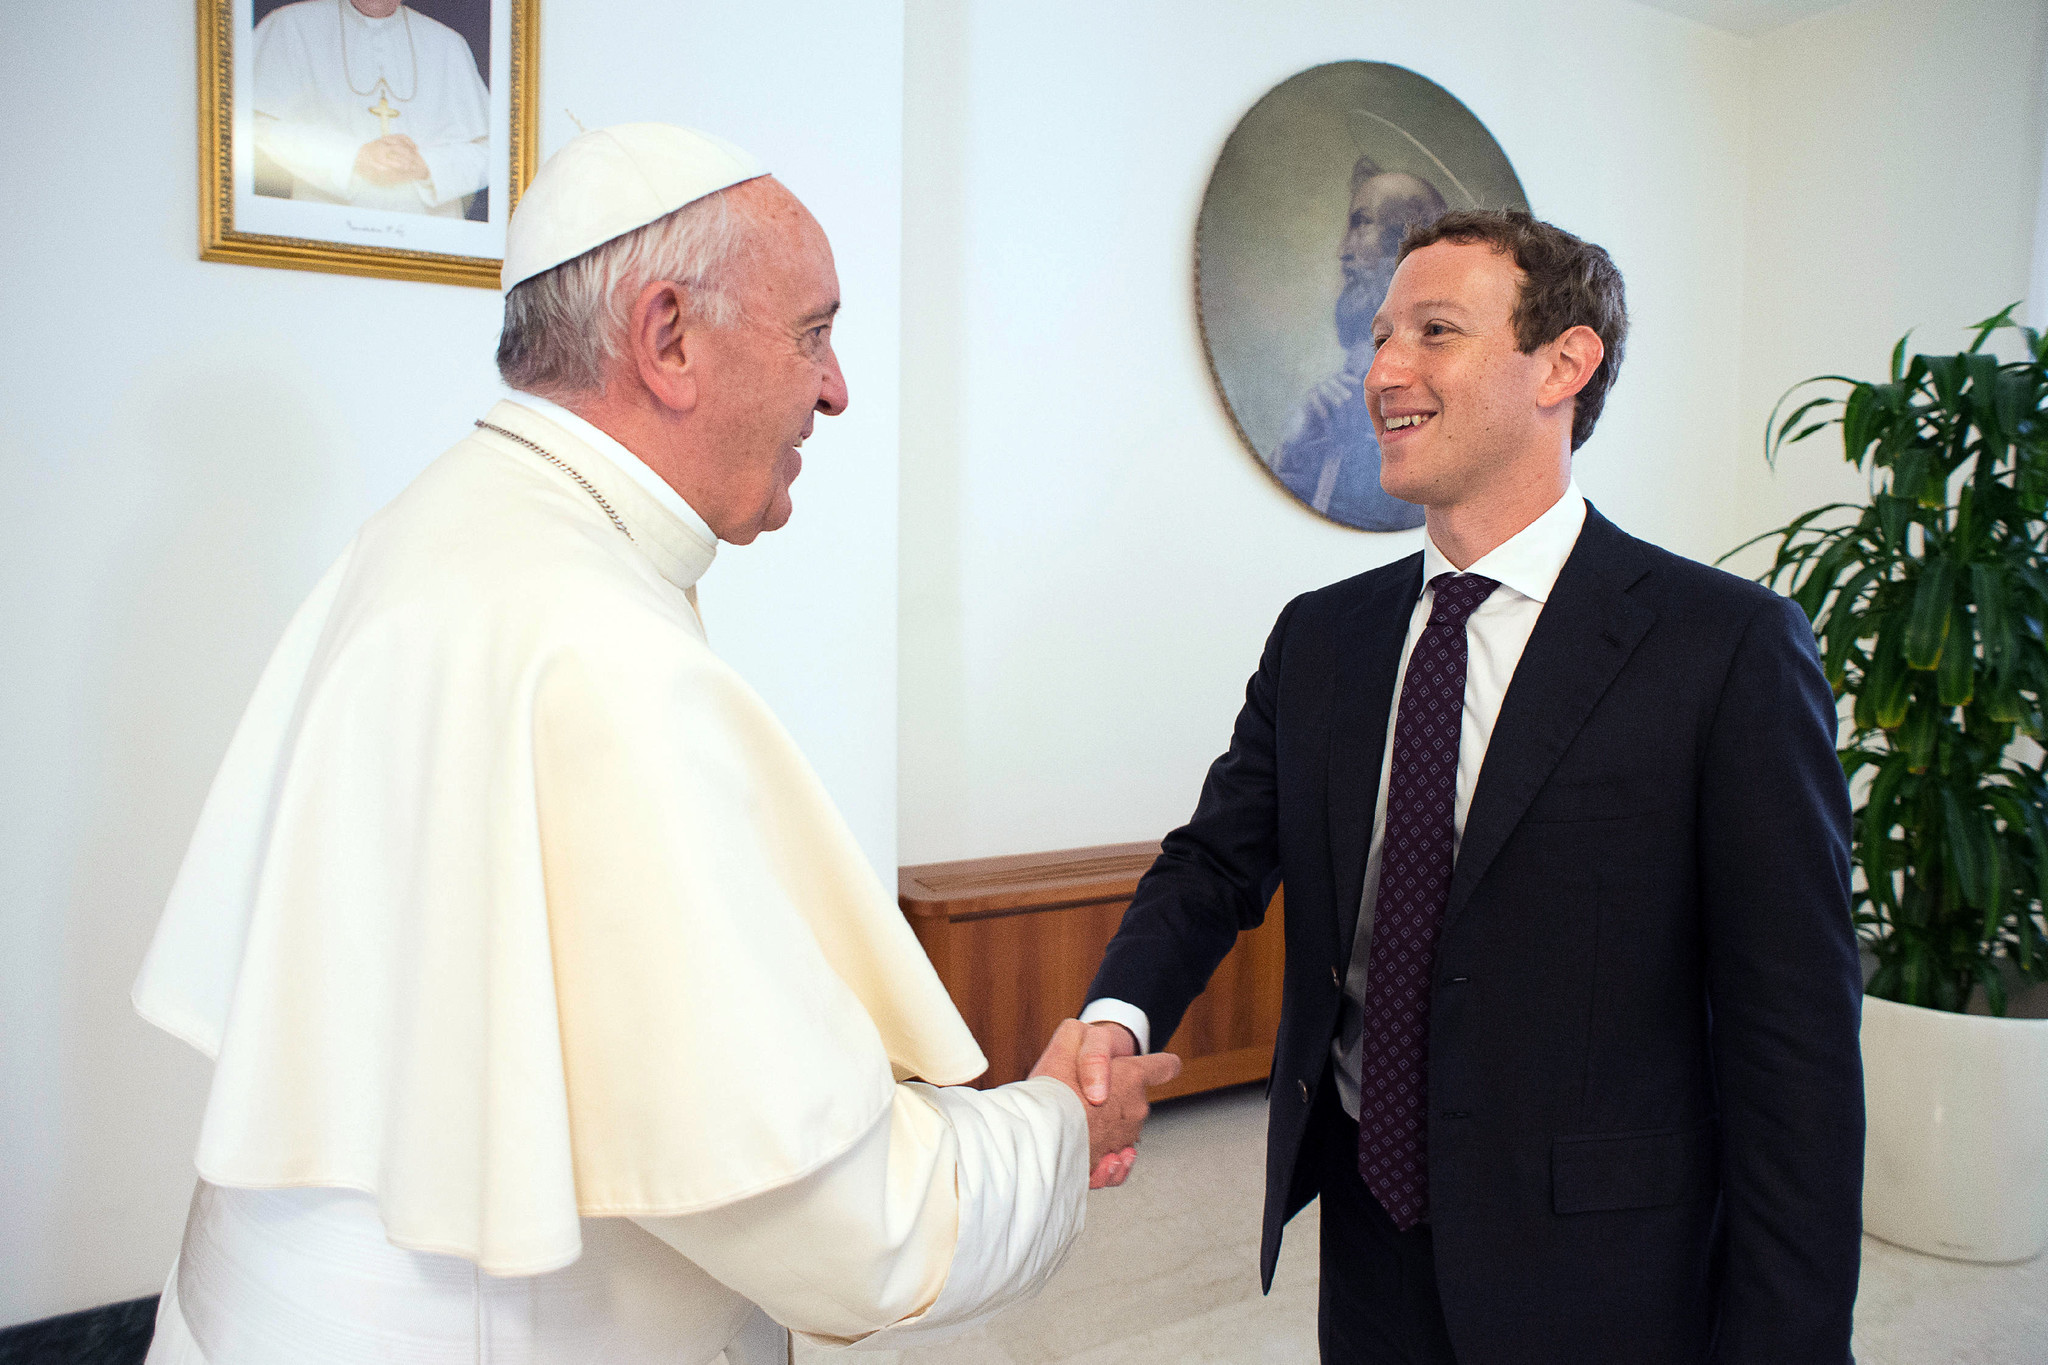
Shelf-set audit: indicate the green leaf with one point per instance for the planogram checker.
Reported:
(1862, 413)
(1774, 433)
(1899, 358)
(2002, 701)
(1888, 685)
(1955, 676)
(2015, 399)
(1917, 981)
(1918, 736)
(2033, 577)
(1994, 616)
(1790, 422)
(1893, 515)
(1910, 477)
(1982, 369)
(1984, 329)
(1969, 843)
(1994, 985)
(1998, 892)
(1947, 373)
(1790, 530)
(1927, 623)
(1880, 812)
(1847, 622)
(1813, 590)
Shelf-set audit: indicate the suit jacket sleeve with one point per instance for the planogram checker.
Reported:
(1211, 880)
(1784, 989)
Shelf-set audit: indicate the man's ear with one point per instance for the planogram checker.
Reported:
(662, 346)
(1574, 356)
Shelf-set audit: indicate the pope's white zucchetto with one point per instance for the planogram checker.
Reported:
(606, 183)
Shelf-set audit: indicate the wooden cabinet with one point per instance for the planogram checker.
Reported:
(1017, 940)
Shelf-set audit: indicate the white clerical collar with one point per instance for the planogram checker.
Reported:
(631, 465)
(367, 21)
(1530, 560)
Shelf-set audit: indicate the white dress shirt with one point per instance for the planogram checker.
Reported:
(1526, 566)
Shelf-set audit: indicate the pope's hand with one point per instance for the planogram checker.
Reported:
(1115, 1119)
(393, 159)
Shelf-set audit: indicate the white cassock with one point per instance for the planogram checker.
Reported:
(318, 64)
(556, 1014)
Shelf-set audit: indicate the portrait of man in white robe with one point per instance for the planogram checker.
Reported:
(373, 104)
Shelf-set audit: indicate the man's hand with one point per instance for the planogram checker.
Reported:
(393, 159)
(1103, 1044)
(1114, 1120)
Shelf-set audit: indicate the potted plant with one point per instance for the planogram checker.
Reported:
(1929, 602)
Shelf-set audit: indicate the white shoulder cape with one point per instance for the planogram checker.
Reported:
(512, 904)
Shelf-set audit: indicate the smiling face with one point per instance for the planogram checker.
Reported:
(1461, 412)
(767, 375)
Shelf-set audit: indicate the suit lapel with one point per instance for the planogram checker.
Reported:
(1368, 654)
(1586, 632)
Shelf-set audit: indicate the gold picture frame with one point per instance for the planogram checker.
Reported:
(333, 232)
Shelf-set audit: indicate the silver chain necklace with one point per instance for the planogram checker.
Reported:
(581, 482)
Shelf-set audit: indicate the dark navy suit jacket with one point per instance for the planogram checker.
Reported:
(1645, 1090)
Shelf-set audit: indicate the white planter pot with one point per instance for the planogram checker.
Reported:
(1956, 1161)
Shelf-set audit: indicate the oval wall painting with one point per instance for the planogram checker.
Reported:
(1294, 251)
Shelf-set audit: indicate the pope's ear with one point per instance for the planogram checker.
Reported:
(1574, 356)
(659, 343)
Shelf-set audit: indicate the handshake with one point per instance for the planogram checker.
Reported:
(1099, 1062)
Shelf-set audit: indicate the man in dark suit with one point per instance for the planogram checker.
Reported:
(1568, 1046)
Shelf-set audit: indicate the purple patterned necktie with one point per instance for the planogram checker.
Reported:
(1415, 885)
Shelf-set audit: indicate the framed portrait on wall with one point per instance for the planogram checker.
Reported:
(365, 137)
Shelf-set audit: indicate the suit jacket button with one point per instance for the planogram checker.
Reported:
(1336, 980)
(1304, 1091)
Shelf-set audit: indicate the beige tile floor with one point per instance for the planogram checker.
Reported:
(1167, 1274)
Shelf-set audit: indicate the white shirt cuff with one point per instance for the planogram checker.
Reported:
(1109, 1010)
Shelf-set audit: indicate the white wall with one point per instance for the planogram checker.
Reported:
(184, 446)
(1091, 560)
(1895, 162)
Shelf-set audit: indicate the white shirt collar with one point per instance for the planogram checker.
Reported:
(631, 465)
(1528, 561)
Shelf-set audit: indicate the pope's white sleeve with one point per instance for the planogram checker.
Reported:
(454, 168)
(285, 128)
(458, 154)
(955, 1205)
(319, 156)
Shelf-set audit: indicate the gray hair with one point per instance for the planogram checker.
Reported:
(565, 327)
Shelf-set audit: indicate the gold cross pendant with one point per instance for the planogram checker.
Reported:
(385, 113)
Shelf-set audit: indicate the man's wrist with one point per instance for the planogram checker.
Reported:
(1110, 1010)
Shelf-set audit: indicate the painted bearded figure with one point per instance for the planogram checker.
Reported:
(1330, 458)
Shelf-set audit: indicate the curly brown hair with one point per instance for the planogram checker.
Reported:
(1566, 283)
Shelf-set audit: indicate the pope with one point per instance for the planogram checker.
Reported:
(332, 77)
(555, 1013)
